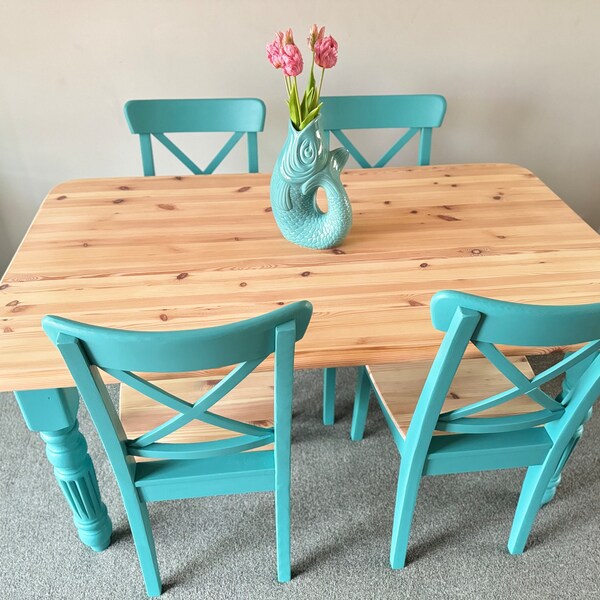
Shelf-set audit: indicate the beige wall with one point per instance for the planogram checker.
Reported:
(521, 78)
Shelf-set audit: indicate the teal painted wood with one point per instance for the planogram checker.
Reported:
(329, 377)
(497, 443)
(306, 164)
(155, 118)
(465, 453)
(212, 467)
(53, 413)
(418, 114)
(163, 352)
(531, 326)
(571, 377)
(284, 383)
(361, 403)
(422, 426)
(233, 474)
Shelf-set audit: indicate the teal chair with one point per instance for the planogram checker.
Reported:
(418, 114)
(189, 470)
(541, 438)
(155, 118)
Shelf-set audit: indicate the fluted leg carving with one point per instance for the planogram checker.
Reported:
(571, 377)
(52, 413)
(67, 452)
(555, 481)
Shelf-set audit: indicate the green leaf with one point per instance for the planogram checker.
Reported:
(311, 78)
(310, 116)
(299, 114)
(310, 100)
(294, 105)
(304, 104)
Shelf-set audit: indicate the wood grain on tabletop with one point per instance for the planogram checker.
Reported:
(161, 253)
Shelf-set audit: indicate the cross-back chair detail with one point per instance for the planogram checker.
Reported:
(202, 468)
(418, 114)
(155, 118)
(540, 439)
(461, 420)
(148, 445)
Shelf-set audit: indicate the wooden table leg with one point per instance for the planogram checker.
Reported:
(53, 413)
(571, 377)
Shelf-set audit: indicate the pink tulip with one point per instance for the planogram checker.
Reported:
(314, 35)
(286, 38)
(326, 52)
(274, 52)
(292, 60)
(283, 53)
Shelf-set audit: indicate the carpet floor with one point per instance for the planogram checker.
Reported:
(342, 505)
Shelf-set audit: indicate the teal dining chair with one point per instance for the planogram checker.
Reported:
(419, 114)
(155, 118)
(189, 470)
(488, 433)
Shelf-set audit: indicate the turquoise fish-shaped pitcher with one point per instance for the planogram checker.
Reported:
(304, 165)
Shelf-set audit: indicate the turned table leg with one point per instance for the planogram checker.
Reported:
(53, 413)
(571, 377)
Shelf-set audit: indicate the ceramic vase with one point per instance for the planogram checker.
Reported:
(306, 164)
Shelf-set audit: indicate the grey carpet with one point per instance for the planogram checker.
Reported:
(343, 496)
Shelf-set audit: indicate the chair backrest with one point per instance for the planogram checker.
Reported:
(484, 322)
(246, 344)
(417, 113)
(155, 118)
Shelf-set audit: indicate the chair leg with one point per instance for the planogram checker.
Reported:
(532, 495)
(139, 521)
(329, 376)
(406, 498)
(282, 530)
(284, 376)
(362, 396)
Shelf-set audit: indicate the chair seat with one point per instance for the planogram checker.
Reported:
(398, 387)
(251, 401)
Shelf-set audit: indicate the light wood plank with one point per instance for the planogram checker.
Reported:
(399, 387)
(162, 253)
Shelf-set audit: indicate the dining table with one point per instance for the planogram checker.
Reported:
(180, 252)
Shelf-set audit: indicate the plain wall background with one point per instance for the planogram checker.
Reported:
(521, 78)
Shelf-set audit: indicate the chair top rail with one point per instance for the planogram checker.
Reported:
(181, 351)
(520, 324)
(195, 115)
(379, 112)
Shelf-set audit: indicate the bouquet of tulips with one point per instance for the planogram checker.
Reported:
(283, 54)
